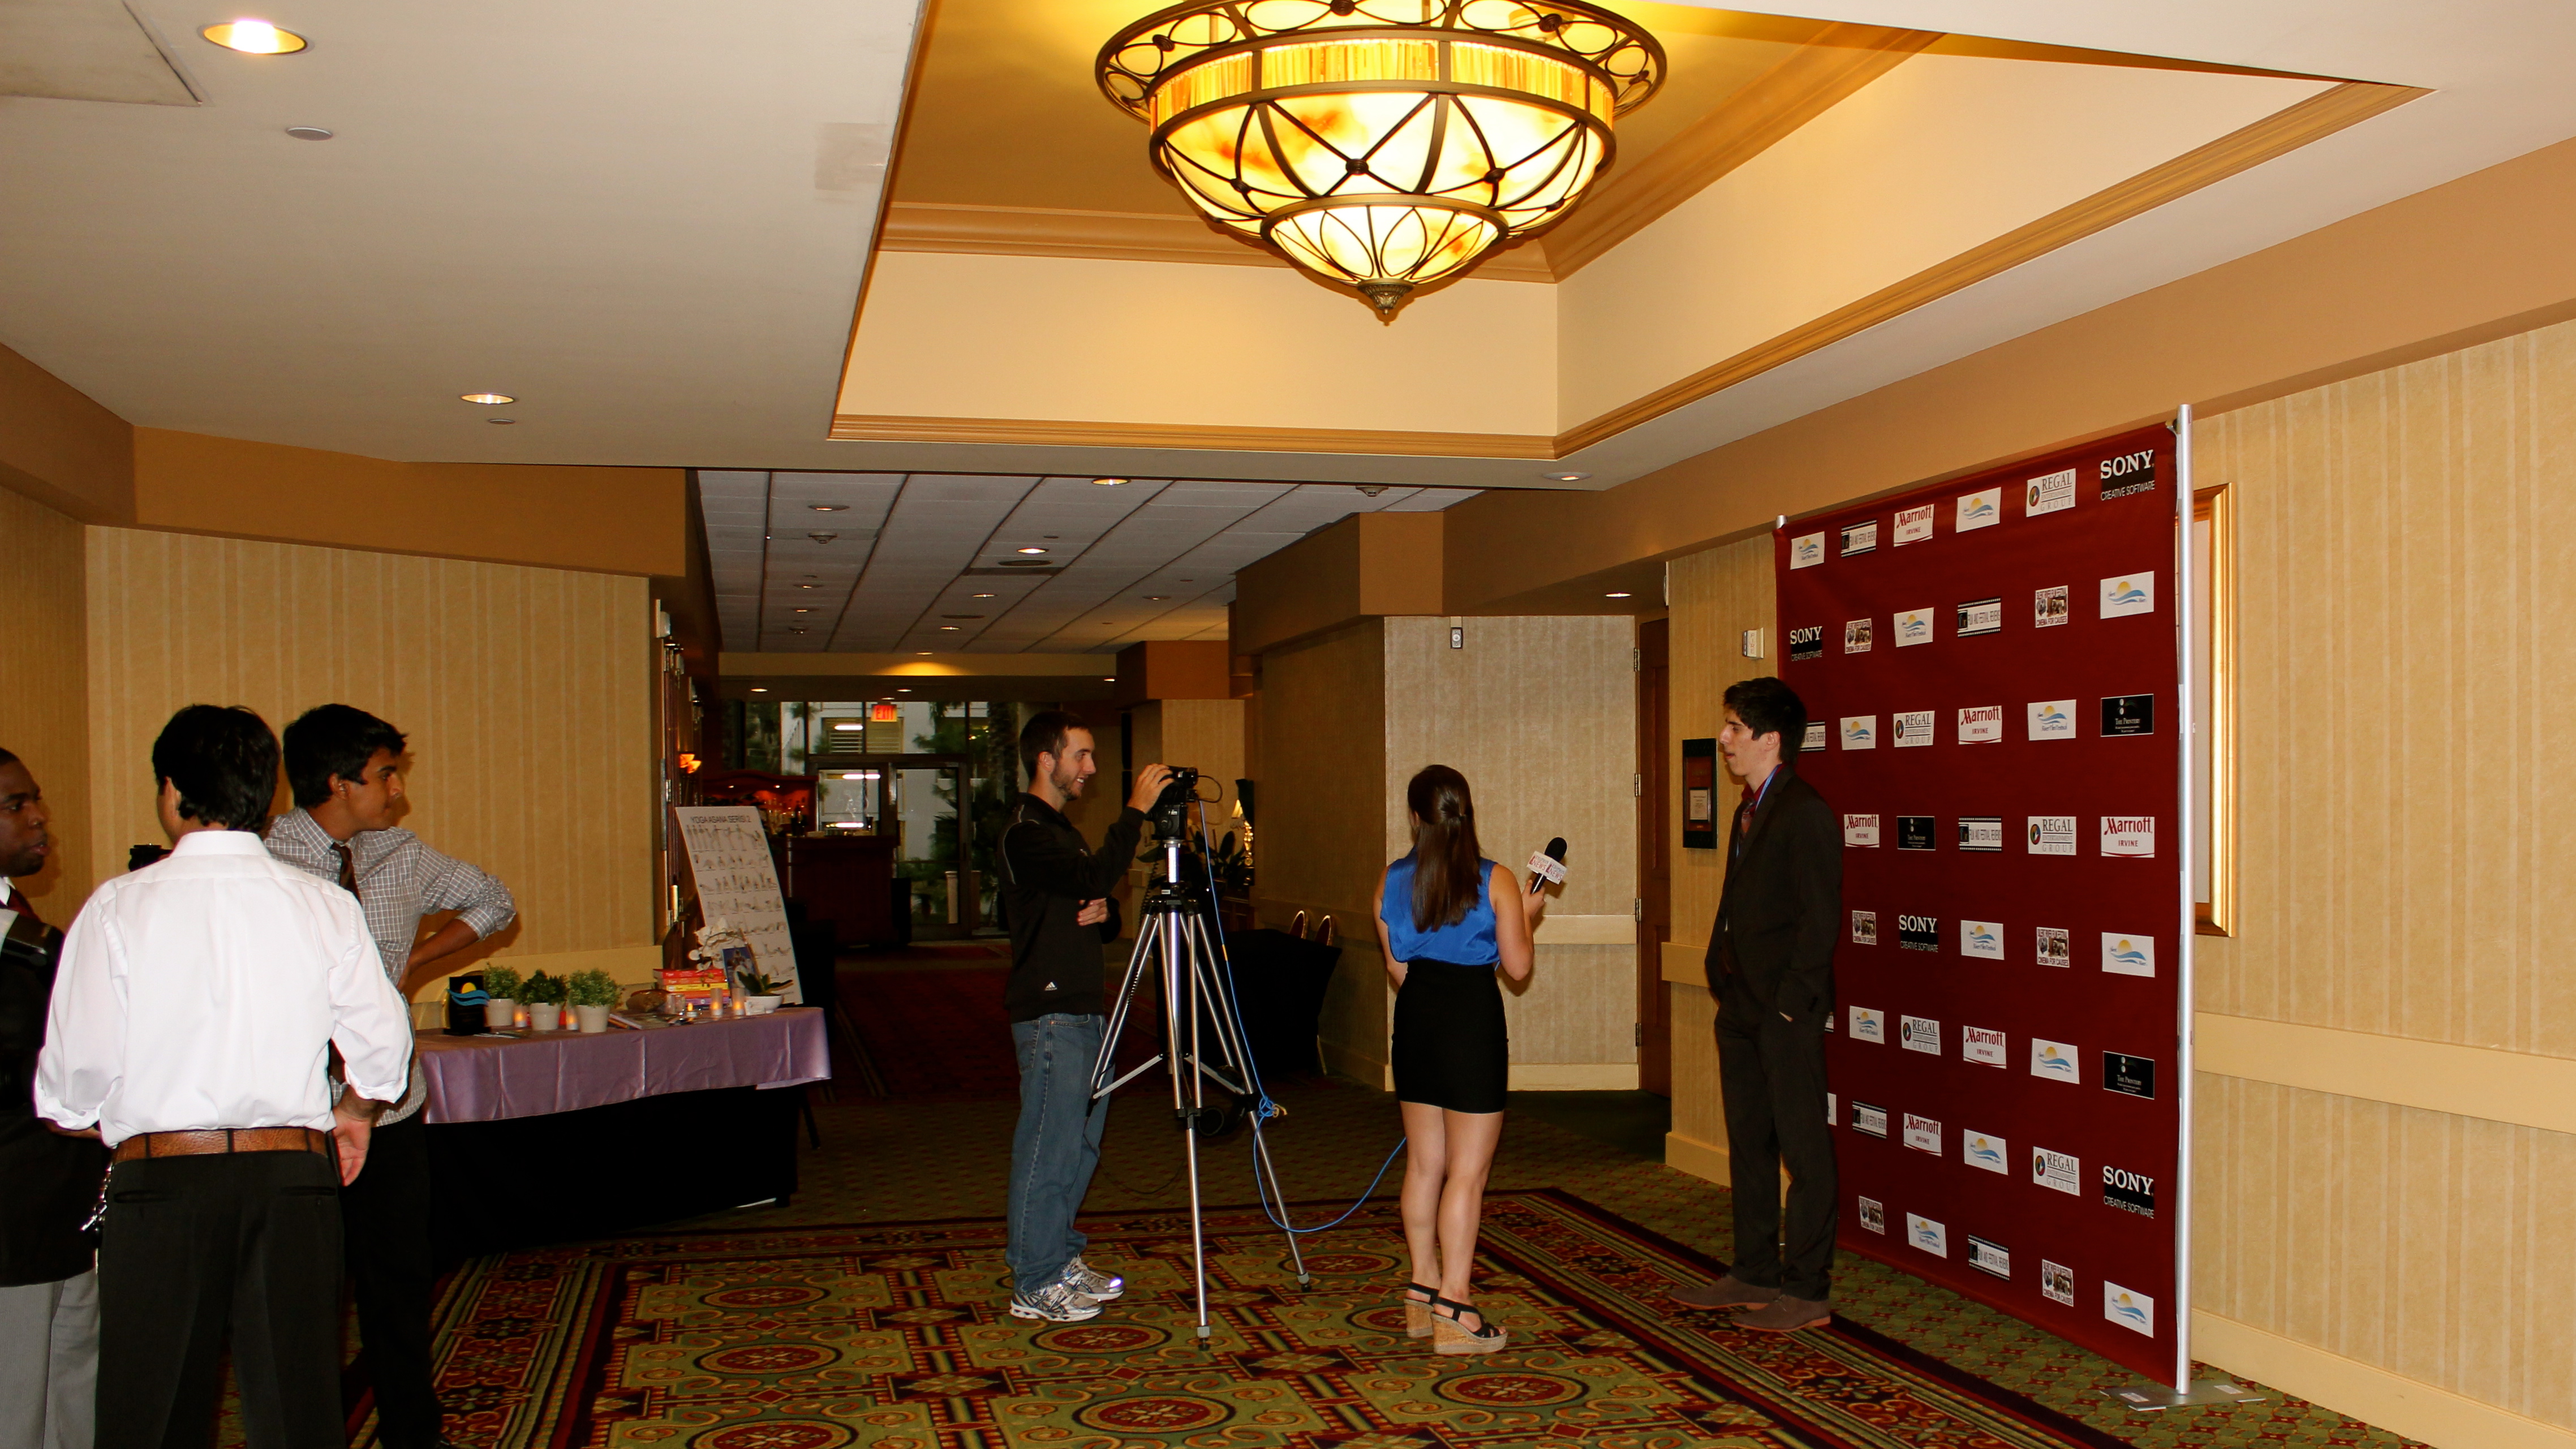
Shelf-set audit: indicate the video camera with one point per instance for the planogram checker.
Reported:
(1172, 807)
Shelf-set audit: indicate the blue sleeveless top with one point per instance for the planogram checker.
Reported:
(1468, 943)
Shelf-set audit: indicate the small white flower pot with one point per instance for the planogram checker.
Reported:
(500, 1014)
(544, 1016)
(763, 1005)
(593, 1018)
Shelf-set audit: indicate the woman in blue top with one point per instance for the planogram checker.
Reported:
(1444, 937)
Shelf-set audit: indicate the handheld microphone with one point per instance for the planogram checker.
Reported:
(1548, 865)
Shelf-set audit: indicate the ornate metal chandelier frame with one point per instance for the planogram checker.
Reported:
(1622, 63)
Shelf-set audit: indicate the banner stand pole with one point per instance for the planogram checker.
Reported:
(2180, 1391)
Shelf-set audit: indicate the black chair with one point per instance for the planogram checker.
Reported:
(818, 984)
(1280, 981)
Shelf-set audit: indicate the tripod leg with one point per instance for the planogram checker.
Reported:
(1104, 1068)
(1296, 1253)
(1210, 965)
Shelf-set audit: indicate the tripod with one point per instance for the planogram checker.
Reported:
(1172, 945)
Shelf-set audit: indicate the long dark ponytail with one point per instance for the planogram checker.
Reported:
(1446, 859)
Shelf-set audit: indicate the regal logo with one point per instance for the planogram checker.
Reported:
(1913, 729)
(2051, 835)
(2057, 1171)
(1807, 641)
(2048, 493)
(1919, 1034)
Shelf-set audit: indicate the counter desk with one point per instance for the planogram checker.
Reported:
(559, 1136)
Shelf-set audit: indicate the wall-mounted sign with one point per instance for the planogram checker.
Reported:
(1699, 794)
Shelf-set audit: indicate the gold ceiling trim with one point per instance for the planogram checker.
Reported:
(1804, 85)
(2275, 135)
(1028, 432)
(1120, 236)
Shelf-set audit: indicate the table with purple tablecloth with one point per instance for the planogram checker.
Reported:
(561, 1136)
(488, 1078)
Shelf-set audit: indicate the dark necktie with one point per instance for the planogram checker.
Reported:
(348, 868)
(1744, 820)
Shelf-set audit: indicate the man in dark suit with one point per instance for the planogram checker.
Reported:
(1771, 968)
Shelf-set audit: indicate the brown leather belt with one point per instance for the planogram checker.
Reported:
(223, 1139)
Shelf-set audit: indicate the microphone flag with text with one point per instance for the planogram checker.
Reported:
(1547, 867)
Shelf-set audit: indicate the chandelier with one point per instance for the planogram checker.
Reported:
(1381, 145)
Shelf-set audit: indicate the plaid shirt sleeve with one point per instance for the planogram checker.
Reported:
(449, 884)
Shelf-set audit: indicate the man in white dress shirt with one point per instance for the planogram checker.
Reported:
(192, 1014)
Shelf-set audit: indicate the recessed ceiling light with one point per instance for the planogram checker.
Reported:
(829, 507)
(487, 399)
(1565, 477)
(795, 628)
(1109, 679)
(822, 537)
(1158, 598)
(254, 37)
(808, 611)
(925, 653)
(1032, 550)
(984, 596)
(903, 691)
(1621, 594)
(504, 422)
(760, 689)
(1107, 482)
(952, 628)
(809, 586)
(309, 133)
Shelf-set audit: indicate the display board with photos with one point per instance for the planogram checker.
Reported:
(736, 880)
(1990, 669)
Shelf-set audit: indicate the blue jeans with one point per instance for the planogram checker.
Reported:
(1056, 1146)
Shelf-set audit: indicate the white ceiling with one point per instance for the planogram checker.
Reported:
(649, 222)
(906, 555)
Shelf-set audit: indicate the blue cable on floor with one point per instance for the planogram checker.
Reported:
(1264, 1183)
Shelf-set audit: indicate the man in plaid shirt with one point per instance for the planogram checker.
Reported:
(346, 769)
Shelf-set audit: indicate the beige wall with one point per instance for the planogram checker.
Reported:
(2401, 540)
(1323, 825)
(526, 693)
(44, 708)
(1715, 596)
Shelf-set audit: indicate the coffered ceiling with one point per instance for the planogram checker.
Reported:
(654, 229)
(892, 563)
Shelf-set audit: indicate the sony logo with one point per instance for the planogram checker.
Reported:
(1807, 634)
(2121, 1177)
(2128, 463)
(1918, 923)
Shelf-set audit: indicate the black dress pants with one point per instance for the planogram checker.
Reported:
(1773, 1075)
(386, 1213)
(194, 1247)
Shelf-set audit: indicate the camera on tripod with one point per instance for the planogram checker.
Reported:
(1172, 807)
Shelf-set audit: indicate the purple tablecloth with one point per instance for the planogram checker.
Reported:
(488, 1078)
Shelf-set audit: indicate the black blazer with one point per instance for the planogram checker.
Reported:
(51, 1181)
(1781, 911)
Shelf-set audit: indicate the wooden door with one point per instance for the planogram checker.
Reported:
(1654, 857)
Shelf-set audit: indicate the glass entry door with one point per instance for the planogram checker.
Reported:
(931, 855)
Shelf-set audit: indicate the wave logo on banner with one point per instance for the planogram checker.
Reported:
(2052, 719)
(2127, 1307)
(2126, 594)
(1914, 626)
(2056, 1060)
(1806, 550)
(1981, 509)
(1983, 940)
(2128, 955)
(1868, 1024)
(1860, 731)
(1987, 1153)
(1931, 1237)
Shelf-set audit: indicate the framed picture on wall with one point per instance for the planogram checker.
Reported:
(1699, 794)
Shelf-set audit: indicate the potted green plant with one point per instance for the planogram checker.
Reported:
(592, 993)
(544, 995)
(501, 983)
(761, 993)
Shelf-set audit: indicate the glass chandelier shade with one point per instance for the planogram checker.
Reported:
(1383, 145)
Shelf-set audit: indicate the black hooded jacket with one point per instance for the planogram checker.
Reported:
(1047, 872)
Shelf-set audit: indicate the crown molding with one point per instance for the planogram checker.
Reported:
(1025, 432)
(2278, 134)
(1125, 236)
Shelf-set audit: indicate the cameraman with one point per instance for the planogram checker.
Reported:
(1055, 891)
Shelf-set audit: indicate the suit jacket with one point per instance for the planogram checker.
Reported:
(1781, 911)
(51, 1181)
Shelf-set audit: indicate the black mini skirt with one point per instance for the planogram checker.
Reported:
(1451, 1048)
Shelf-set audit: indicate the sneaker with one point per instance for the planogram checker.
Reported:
(1091, 1283)
(1056, 1303)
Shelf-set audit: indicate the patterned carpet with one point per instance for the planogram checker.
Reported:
(521, 1331)
(894, 1335)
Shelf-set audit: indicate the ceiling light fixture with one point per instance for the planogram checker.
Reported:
(924, 653)
(254, 37)
(1158, 598)
(503, 422)
(952, 628)
(1032, 550)
(1567, 477)
(1621, 594)
(829, 507)
(760, 689)
(1107, 482)
(309, 133)
(1381, 145)
(822, 537)
(804, 611)
(486, 399)
(983, 596)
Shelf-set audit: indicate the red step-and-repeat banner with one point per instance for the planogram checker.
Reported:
(1990, 673)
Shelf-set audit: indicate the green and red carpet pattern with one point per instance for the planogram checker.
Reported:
(896, 1335)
